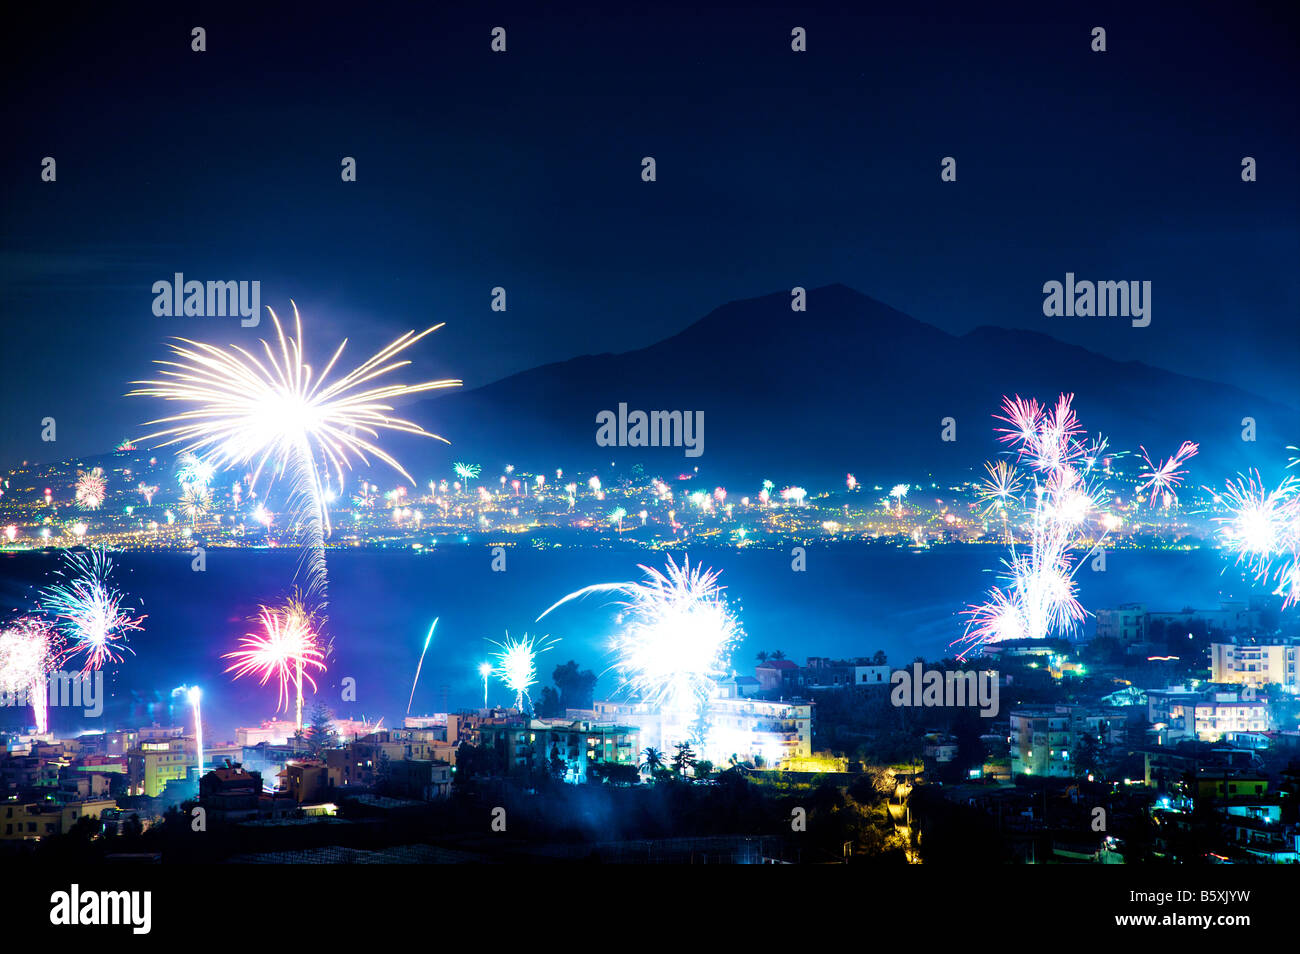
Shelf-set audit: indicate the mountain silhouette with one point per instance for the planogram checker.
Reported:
(850, 385)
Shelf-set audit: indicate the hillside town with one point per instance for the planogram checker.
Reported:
(1170, 735)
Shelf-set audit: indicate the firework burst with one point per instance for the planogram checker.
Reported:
(272, 412)
(1262, 527)
(193, 471)
(88, 611)
(196, 501)
(1068, 500)
(1162, 479)
(91, 489)
(676, 638)
(515, 664)
(28, 651)
(286, 648)
(1002, 485)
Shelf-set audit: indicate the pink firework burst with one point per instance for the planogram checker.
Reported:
(1165, 477)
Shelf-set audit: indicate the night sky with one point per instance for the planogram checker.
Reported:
(522, 169)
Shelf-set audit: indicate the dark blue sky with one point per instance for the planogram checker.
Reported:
(523, 170)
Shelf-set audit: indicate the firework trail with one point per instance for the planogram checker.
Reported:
(676, 640)
(420, 665)
(91, 489)
(616, 516)
(88, 612)
(28, 649)
(466, 472)
(1262, 527)
(516, 664)
(287, 647)
(147, 492)
(194, 696)
(898, 492)
(1162, 479)
(272, 411)
(1068, 495)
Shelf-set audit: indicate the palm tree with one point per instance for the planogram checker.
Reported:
(779, 654)
(762, 656)
(652, 760)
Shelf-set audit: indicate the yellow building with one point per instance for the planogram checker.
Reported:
(1256, 664)
(41, 819)
(151, 765)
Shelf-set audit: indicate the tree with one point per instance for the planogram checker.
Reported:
(703, 769)
(762, 656)
(683, 758)
(577, 686)
(613, 773)
(556, 765)
(320, 732)
(779, 654)
(652, 760)
(548, 705)
(1087, 755)
(879, 659)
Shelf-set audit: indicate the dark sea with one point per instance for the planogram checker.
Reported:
(852, 600)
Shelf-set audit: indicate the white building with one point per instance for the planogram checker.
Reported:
(749, 729)
(1256, 664)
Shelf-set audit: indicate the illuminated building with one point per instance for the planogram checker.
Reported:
(1256, 663)
(151, 765)
(274, 731)
(822, 672)
(532, 745)
(1207, 715)
(38, 820)
(1041, 741)
(751, 730)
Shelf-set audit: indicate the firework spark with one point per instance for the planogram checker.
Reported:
(272, 411)
(1262, 527)
(196, 501)
(91, 489)
(28, 649)
(1162, 479)
(1068, 501)
(616, 516)
(193, 471)
(287, 647)
(1002, 486)
(676, 640)
(88, 611)
(516, 664)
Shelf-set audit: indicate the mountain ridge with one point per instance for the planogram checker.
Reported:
(852, 384)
